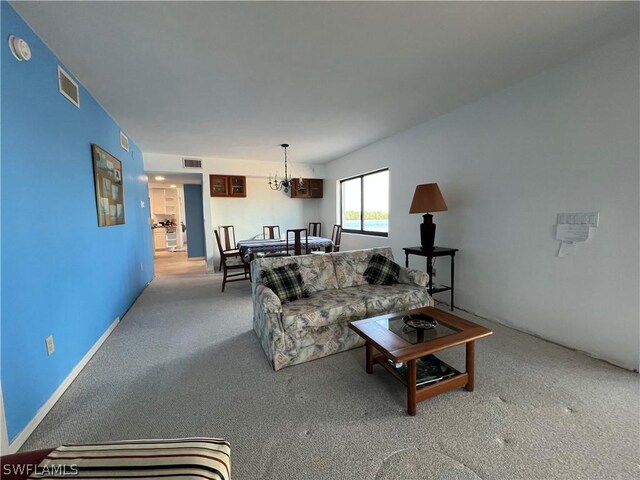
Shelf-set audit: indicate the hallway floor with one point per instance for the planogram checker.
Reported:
(176, 263)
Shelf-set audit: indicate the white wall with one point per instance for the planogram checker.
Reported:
(262, 206)
(563, 141)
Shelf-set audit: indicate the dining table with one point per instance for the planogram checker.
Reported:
(249, 248)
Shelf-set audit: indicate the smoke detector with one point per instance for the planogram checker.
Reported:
(19, 48)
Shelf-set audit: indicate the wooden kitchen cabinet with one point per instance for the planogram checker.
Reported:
(312, 188)
(315, 187)
(218, 185)
(159, 238)
(164, 201)
(228, 185)
(237, 186)
(158, 204)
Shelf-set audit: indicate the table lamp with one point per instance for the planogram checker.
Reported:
(427, 198)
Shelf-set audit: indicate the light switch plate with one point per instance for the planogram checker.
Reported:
(50, 345)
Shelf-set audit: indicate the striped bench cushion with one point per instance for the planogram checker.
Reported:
(184, 458)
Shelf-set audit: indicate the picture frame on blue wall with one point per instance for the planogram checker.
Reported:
(109, 188)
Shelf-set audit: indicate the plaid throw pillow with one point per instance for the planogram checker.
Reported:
(286, 282)
(382, 271)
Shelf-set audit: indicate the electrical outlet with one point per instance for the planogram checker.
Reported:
(50, 346)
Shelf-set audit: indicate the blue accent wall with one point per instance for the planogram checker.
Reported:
(195, 221)
(62, 275)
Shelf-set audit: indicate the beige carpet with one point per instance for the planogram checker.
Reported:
(185, 362)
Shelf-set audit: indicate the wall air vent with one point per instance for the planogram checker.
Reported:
(68, 87)
(191, 163)
(124, 141)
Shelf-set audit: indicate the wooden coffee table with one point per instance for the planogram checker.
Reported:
(400, 343)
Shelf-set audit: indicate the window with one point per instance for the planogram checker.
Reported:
(364, 203)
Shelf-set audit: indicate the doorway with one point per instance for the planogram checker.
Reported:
(178, 223)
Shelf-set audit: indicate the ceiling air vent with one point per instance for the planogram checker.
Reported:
(124, 141)
(68, 87)
(191, 163)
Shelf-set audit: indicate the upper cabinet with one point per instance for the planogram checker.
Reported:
(164, 201)
(237, 186)
(311, 188)
(218, 185)
(228, 185)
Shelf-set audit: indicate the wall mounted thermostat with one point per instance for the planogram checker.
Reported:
(19, 48)
(574, 227)
(569, 233)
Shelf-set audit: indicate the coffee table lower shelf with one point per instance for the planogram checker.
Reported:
(423, 392)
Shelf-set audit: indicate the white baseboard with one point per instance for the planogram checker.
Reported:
(42, 412)
(4, 437)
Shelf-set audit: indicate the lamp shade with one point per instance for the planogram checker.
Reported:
(427, 198)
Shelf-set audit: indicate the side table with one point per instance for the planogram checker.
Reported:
(431, 254)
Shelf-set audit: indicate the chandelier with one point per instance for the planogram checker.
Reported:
(286, 183)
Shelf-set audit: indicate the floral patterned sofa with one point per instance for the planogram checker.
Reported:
(317, 326)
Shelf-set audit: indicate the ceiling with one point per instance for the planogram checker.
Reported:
(174, 178)
(235, 79)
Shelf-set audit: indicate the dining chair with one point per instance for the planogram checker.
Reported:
(315, 229)
(296, 242)
(231, 262)
(335, 237)
(271, 232)
(228, 241)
